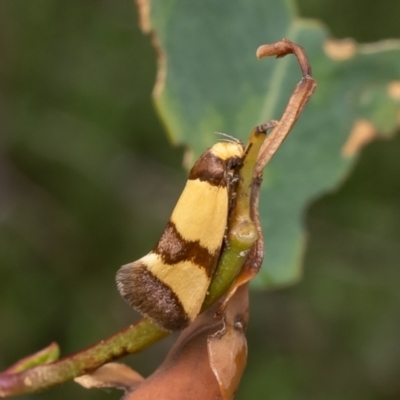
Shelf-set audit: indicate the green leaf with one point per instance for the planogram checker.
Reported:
(210, 81)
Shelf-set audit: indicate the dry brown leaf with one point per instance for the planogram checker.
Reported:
(227, 350)
(186, 373)
(111, 375)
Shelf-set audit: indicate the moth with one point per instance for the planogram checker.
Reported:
(169, 284)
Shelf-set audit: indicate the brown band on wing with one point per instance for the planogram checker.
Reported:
(209, 168)
(151, 297)
(173, 249)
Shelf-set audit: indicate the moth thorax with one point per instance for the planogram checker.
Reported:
(213, 166)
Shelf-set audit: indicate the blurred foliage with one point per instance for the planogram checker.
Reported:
(87, 182)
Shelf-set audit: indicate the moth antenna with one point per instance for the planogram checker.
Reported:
(229, 138)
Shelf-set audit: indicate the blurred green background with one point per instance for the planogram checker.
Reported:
(88, 181)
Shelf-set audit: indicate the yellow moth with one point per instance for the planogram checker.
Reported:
(169, 284)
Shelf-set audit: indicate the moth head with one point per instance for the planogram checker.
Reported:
(227, 150)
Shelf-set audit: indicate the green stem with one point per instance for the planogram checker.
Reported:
(242, 232)
(131, 340)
